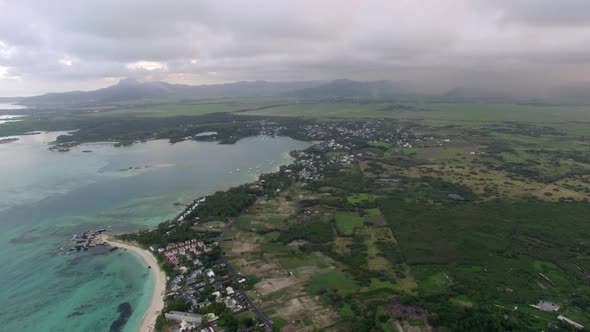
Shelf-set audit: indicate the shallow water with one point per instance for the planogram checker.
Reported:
(11, 106)
(46, 196)
(6, 118)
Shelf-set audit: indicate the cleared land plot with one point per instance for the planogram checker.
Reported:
(281, 270)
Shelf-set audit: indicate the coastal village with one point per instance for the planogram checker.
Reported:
(203, 282)
(204, 293)
(203, 288)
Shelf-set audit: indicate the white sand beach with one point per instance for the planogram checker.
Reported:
(157, 303)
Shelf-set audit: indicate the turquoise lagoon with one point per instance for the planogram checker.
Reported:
(47, 196)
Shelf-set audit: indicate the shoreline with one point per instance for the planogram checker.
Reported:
(156, 306)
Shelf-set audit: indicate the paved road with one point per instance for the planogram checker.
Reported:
(263, 318)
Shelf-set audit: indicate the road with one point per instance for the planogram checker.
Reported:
(261, 316)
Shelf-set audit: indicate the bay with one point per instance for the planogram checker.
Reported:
(46, 196)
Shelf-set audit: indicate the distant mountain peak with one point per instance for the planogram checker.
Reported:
(130, 90)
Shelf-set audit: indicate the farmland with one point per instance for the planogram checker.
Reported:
(438, 114)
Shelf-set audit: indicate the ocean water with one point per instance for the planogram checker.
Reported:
(6, 118)
(11, 106)
(47, 196)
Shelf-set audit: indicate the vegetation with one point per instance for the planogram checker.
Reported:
(347, 222)
(315, 232)
(225, 204)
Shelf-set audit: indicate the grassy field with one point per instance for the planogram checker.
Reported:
(573, 120)
(182, 109)
(347, 222)
(457, 112)
(322, 110)
(358, 198)
(332, 281)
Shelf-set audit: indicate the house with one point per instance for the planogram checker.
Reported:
(229, 290)
(230, 303)
(180, 316)
(177, 279)
(570, 322)
(455, 197)
(184, 326)
(210, 273)
(546, 306)
(211, 317)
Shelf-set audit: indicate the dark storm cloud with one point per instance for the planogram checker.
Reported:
(48, 45)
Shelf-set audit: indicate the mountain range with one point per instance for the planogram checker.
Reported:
(133, 91)
(130, 91)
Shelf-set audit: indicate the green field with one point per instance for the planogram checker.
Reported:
(358, 198)
(347, 222)
(570, 118)
(333, 280)
(459, 112)
(171, 110)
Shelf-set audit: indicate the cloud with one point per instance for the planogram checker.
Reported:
(68, 60)
(147, 65)
(72, 43)
(6, 51)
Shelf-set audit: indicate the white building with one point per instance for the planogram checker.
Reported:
(180, 316)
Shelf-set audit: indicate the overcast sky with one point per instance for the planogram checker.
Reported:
(84, 44)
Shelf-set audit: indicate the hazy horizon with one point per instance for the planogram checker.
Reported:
(519, 46)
